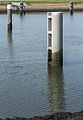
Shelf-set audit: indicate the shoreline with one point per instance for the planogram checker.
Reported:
(54, 116)
(45, 8)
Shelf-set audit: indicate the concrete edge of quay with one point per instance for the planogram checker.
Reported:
(54, 116)
(4, 11)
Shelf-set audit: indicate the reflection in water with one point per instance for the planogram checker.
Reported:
(10, 43)
(22, 15)
(71, 13)
(56, 89)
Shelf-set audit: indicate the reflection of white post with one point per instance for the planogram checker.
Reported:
(9, 12)
(55, 38)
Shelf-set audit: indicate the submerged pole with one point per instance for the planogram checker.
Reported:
(55, 38)
(9, 13)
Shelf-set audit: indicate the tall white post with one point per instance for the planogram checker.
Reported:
(55, 38)
(9, 12)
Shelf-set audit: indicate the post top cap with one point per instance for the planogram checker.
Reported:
(54, 13)
(9, 6)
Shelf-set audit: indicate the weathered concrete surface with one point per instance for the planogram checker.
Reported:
(55, 59)
(55, 116)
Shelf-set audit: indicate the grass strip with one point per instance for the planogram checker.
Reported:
(41, 1)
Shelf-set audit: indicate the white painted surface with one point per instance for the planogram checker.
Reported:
(18, 3)
(56, 30)
(9, 6)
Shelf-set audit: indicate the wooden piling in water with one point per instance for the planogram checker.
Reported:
(71, 7)
(9, 13)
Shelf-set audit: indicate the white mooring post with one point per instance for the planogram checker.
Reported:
(55, 38)
(9, 12)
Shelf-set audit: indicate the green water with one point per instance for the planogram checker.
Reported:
(28, 86)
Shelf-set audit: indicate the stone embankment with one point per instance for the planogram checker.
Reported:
(46, 8)
(55, 116)
(53, 7)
